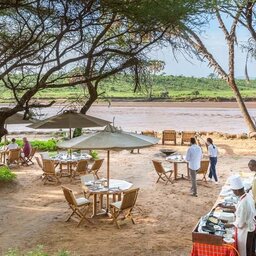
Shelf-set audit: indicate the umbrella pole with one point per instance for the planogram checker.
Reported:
(70, 133)
(108, 167)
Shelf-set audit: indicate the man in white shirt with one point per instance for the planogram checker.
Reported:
(12, 145)
(194, 156)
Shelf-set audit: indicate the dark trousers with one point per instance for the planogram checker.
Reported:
(250, 244)
(213, 162)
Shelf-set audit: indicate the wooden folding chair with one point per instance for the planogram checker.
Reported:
(95, 167)
(28, 160)
(49, 172)
(186, 136)
(14, 156)
(162, 173)
(79, 206)
(81, 168)
(125, 206)
(204, 169)
(169, 135)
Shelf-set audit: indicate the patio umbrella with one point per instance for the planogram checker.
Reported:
(69, 119)
(109, 139)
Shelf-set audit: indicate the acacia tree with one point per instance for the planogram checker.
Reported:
(40, 41)
(194, 40)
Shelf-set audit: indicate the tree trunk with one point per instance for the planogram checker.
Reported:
(93, 96)
(242, 106)
(3, 131)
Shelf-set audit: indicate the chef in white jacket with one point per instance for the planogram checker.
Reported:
(244, 222)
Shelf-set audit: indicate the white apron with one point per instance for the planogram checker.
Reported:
(242, 223)
(241, 240)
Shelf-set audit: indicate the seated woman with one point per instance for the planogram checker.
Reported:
(12, 145)
(25, 150)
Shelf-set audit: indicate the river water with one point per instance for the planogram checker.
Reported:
(222, 117)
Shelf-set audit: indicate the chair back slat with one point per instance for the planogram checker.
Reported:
(186, 136)
(69, 196)
(14, 155)
(169, 135)
(129, 199)
(158, 166)
(97, 164)
(48, 166)
(82, 165)
(204, 166)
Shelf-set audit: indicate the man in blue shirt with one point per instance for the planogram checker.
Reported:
(194, 156)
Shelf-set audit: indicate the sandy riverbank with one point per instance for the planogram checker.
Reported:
(32, 213)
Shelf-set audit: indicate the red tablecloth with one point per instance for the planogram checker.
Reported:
(213, 250)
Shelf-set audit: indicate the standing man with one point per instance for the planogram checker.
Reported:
(252, 167)
(194, 156)
(244, 222)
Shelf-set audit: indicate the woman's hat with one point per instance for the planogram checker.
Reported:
(236, 182)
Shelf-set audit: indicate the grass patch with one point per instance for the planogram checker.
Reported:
(38, 251)
(6, 175)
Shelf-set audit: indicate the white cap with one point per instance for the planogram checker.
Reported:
(236, 182)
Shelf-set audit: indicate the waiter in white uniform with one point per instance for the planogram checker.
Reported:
(244, 222)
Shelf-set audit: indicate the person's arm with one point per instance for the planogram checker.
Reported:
(253, 188)
(188, 155)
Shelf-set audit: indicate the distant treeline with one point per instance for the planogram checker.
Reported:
(159, 87)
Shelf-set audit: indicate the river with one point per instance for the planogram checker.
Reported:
(186, 116)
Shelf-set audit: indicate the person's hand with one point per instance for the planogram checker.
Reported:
(228, 225)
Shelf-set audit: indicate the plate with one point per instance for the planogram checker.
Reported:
(229, 240)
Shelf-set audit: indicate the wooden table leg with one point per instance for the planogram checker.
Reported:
(101, 201)
(94, 207)
(175, 168)
(107, 206)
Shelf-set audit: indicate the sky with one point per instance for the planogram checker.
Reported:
(214, 40)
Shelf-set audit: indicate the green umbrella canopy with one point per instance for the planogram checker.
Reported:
(109, 139)
(69, 119)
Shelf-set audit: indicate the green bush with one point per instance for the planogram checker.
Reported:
(6, 175)
(49, 145)
(41, 145)
(38, 251)
(94, 154)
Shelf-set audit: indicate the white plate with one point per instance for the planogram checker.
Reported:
(229, 240)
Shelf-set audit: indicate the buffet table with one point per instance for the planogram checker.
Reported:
(200, 249)
(222, 242)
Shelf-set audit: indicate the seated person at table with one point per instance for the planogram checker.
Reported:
(245, 214)
(12, 145)
(252, 167)
(26, 149)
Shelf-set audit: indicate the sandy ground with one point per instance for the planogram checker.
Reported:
(32, 213)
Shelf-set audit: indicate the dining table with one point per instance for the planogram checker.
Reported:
(102, 193)
(177, 160)
(70, 160)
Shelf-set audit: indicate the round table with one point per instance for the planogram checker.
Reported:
(177, 159)
(116, 188)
